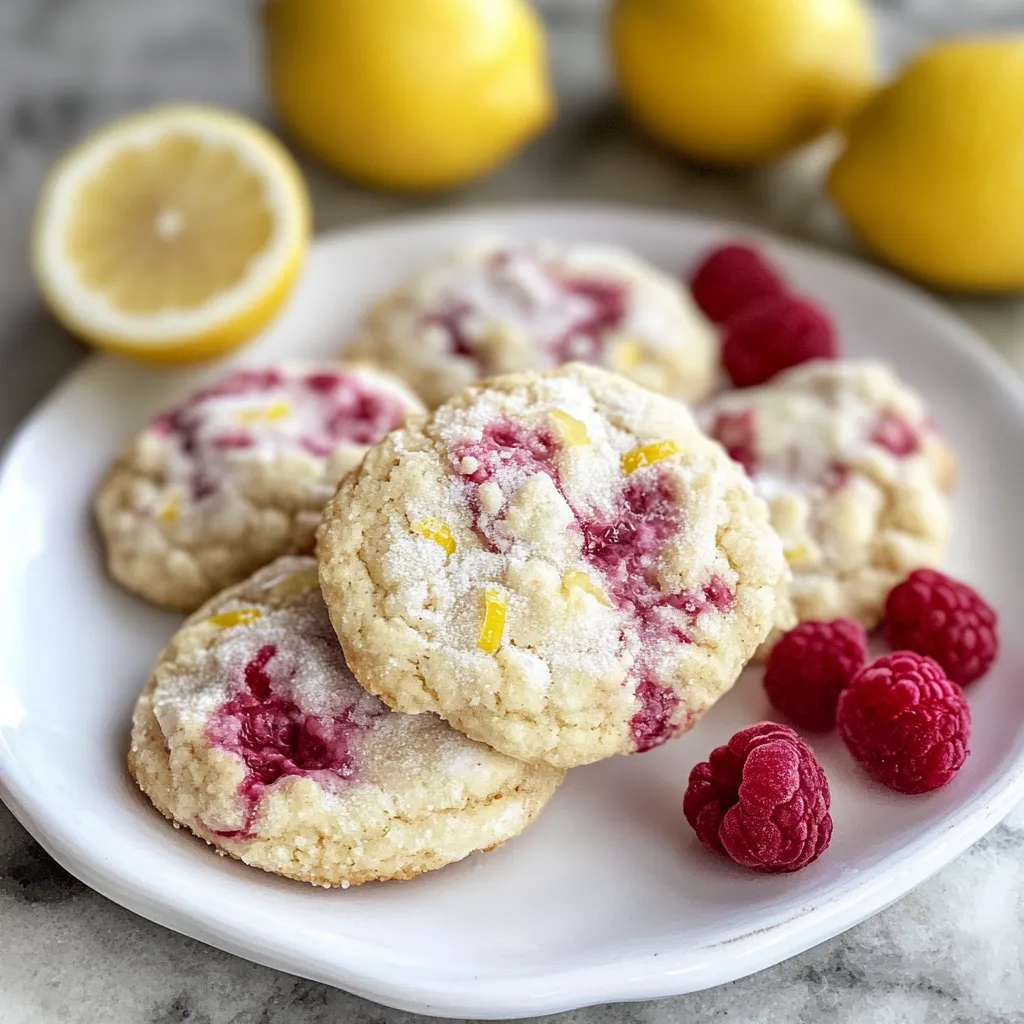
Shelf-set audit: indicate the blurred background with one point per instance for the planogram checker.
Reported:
(69, 66)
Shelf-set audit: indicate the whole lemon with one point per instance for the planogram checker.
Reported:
(932, 177)
(408, 94)
(741, 81)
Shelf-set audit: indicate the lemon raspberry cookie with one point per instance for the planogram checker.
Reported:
(252, 733)
(494, 308)
(238, 475)
(560, 564)
(853, 472)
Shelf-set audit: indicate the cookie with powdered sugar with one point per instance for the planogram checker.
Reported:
(238, 475)
(854, 473)
(252, 733)
(495, 307)
(560, 564)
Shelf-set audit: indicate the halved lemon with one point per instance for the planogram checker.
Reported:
(172, 235)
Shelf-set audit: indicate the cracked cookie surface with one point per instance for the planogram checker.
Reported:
(252, 733)
(854, 473)
(494, 308)
(238, 475)
(560, 564)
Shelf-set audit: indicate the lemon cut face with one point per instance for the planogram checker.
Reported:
(172, 235)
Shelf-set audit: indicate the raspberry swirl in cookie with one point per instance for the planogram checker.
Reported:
(498, 308)
(853, 471)
(238, 474)
(253, 733)
(560, 564)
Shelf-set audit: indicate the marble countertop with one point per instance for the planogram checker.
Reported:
(952, 951)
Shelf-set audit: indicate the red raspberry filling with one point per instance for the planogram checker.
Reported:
(837, 476)
(507, 445)
(735, 432)
(652, 724)
(347, 410)
(730, 279)
(233, 442)
(583, 339)
(353, 413)
(623, 547)
(276, 739)
(762, 800)
(451, 320)
(905, 723)
(933, 614)
(897, 435)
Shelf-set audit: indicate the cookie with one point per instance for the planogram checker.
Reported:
(560, 564)
(253, 733)
(497, 308)
(238, 475)
(854, 473)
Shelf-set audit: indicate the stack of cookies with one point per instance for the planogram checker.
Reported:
(553, 566)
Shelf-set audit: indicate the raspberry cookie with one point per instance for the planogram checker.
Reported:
(238, 475)
(494, 308)
(560, 564)
(252, 733)
(854, 474)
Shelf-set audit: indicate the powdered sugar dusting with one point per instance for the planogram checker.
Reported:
(799, 432)
(274, 691)
(554, 517)
(255, 416)
(502, 306)
(833, 447)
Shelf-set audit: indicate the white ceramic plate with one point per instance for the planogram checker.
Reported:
(608, 897)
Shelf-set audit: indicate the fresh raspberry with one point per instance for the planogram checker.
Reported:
(774, 335)
(905, 722)
(810, 666)
(730, 279)
(945, 619)
(762, 800)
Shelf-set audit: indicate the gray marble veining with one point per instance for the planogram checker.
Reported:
(952, 951)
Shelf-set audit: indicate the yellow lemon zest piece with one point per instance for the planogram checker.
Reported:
(649, 453)
(438, 532)
(575, 579)
(238, 617)
(627, 355)
(275, 411)
(494, 621)
(795, 554)
(170, 510)
(570, 430)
